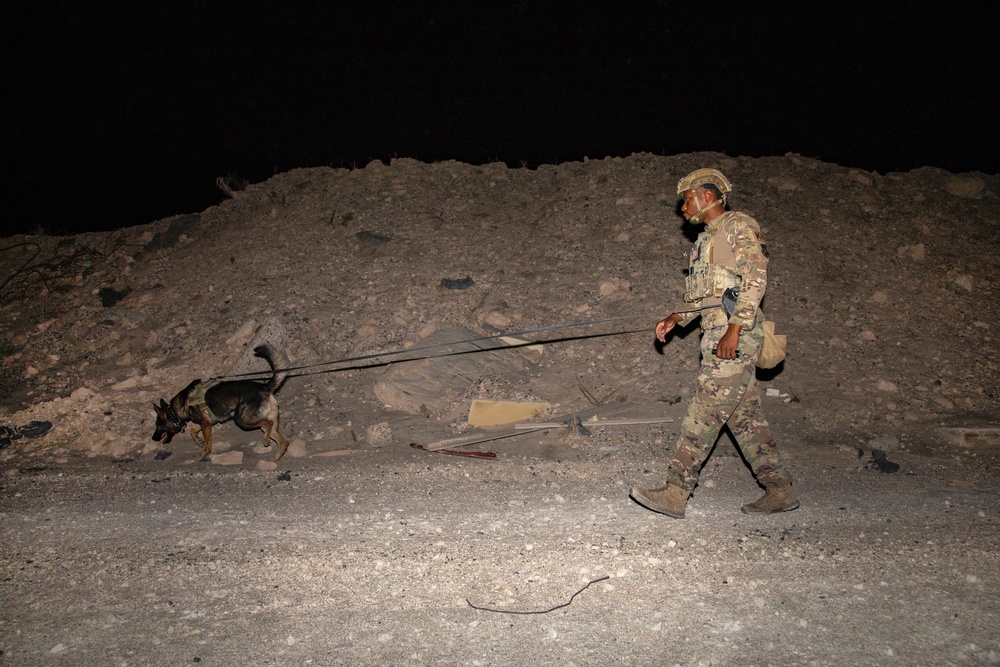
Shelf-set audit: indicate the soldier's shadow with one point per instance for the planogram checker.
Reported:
(690, 230)
(677, 332)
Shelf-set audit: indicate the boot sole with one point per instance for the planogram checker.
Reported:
(654, 507)
(788, 508)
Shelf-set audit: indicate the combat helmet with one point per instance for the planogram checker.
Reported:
(700, 177)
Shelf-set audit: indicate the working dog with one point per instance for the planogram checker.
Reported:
(249, 403)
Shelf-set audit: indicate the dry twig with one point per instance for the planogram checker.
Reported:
(540, 611)
(593, 399)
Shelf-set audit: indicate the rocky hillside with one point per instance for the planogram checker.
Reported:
(886, 285)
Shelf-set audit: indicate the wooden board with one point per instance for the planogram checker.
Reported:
(497, 413)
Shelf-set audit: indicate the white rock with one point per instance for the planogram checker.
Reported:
(886, 443)
(886, 386)
(125, 385)
(227, 458)
(296, 449)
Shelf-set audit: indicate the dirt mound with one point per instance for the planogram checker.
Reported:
(884, 284)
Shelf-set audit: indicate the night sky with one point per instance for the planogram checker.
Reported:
(117, 115)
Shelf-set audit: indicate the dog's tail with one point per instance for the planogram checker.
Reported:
(272, 357)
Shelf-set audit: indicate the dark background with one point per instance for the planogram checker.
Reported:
(117, 115)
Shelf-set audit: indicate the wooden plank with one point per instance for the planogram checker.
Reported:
(497, 413)
(462, 441)
(597, 422)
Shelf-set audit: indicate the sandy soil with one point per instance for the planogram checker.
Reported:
(357, 548)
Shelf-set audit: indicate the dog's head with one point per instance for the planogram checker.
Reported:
(168, 424)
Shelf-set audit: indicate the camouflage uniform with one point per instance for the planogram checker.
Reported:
(728, 392)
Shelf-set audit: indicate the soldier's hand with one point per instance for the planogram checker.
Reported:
(664, 326)
(726, 349)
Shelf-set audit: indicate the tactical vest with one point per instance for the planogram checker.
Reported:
(712, 268)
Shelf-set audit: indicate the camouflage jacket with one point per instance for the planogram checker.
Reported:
(732, 240)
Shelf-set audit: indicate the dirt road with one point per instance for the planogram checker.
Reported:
(374, 559)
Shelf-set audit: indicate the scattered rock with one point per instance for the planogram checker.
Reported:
(887, 387)
(917, 252)
(886, 443)
(967, 187)
(457, 283)
(110, 296)
(380, 435)
(372, 239)
(296, 449)
(231, 458)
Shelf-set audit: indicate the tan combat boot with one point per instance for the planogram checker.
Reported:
(775, 499)
(670, 499)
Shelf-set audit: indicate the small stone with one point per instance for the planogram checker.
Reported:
(380, 434)
(497, 320)
(784, 184)
(125, 385)
(964, 281)
(886, 386)
(860, 178)
(915, 252)
(297, 449)
(885, 443)
(233, 458)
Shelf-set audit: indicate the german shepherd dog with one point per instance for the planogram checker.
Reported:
(249, 403)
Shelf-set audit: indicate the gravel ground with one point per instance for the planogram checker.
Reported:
(377, 559)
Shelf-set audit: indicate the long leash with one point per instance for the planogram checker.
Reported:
(292, 371)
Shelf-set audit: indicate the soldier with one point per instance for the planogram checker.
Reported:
(729, 258)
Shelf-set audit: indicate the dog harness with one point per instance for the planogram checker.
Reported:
(196, 398)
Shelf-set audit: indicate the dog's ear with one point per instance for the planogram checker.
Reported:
(159, 409)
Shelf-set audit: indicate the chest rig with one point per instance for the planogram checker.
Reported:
(712, 266)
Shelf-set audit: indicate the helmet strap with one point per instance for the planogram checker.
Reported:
(696, 218)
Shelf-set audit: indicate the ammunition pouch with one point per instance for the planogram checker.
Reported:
(708, 280)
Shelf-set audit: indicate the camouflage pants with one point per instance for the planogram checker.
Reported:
(728, 394)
